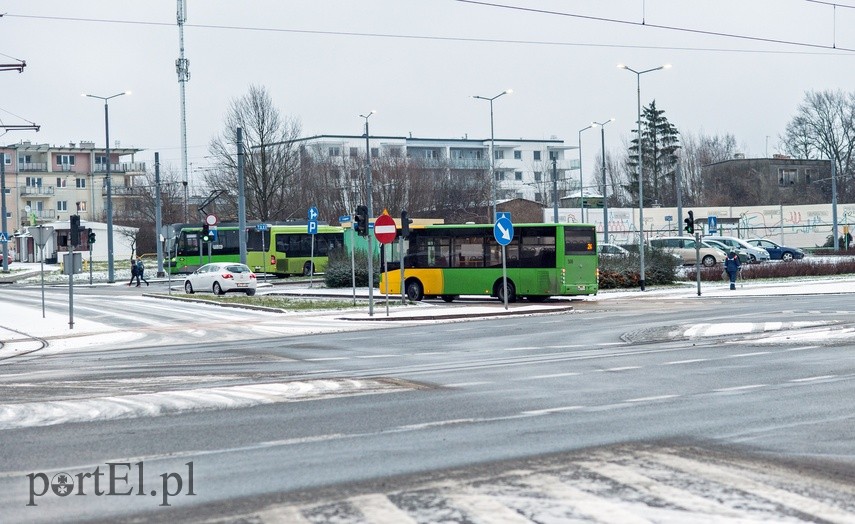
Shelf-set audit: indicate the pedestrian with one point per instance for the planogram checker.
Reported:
(135, 275)
(731, 266)
(140, 271)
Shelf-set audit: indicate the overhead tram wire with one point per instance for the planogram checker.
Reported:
(832, 50)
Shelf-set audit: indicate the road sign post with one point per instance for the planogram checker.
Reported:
(262, 228)
(41, 235)
(385, 232)
(503, 232)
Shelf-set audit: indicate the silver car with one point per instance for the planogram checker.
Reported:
(221, 278)
(755, 253)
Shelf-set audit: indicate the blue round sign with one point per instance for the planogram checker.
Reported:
(503, 231)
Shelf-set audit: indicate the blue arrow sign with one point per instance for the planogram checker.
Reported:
(313, 213)
(313, 227)
(503, 231)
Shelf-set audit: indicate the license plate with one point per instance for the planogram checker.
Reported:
(241, 284)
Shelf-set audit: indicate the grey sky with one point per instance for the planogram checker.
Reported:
(316, 60)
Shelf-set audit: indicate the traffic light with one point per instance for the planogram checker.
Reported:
(91, 237)
(206, 233)
(405, 224)
(74, 229)
(690, 223)
(360, 221)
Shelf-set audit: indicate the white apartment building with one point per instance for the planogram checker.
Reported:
(523, 168)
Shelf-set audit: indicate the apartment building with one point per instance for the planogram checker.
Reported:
(523, 168)
(48, 183)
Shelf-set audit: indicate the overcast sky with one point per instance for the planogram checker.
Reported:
(418, 63)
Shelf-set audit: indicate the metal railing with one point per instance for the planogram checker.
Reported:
(38, 190)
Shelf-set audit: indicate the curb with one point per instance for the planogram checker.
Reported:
(452, 316)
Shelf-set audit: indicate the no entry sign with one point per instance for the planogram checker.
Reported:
(384, 229)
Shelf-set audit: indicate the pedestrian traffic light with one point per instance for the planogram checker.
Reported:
(74, 229)
(690, 223)
(405, 224)
(360, 221)
(91, 237)
(206, 232)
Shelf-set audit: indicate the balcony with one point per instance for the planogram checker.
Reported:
(37, 191)
(32, 167)
(125, 191)
(121, 167)
(38, 214)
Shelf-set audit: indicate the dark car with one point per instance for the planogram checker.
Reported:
(777, 251)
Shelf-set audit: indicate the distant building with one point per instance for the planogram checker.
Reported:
(523, 168)
(766, 181)
(46, 183)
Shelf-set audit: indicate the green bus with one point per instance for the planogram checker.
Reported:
(279, 249)
(542, 260)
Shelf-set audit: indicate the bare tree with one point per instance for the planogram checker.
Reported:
(701, 150)
(273, 188)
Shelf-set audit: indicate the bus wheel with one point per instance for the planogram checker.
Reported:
(449, 298)
(500, 291)
(415, 291)
(307, 269)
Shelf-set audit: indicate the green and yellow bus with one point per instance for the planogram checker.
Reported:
(280, 249)
(542, 260)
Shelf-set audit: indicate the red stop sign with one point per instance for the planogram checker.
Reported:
(384, 229)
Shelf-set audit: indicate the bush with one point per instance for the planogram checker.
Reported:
(338, 272)
(659, 268)
(794, 268)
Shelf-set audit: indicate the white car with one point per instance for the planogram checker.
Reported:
(756, 254)
(221, 278)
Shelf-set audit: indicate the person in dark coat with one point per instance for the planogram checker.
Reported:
(140, 271)
(731, 266)
(134, 273)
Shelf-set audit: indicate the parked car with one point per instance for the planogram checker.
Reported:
(1, 260)
(686, 248)
(757, 254)
(611, 251)
(744, 257)
(221, 278)
(777, 251)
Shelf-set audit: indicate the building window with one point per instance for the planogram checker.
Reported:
(334, 151)
(518, 175)
(61, 182)
(500, 175)
(24, 159)
(430, 154)
(100, 160)
(810, 174)
(375, 152)
(7, 159)
(65, 160)
(354, 152)
(538, 197)
(537, 176)
(81, 206)
(517, 155)
(354, 173)
(498, 154)
(80, 183)
(34, 181)
(395, 152)
(536, 155)
(787, 177)
(62, 205)
(553, 155)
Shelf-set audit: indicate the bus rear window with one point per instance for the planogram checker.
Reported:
(579, 241)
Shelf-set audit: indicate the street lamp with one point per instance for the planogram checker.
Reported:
(581, 178)
(110, 272)
(492, 145)
(639, 170)
(605, 185)
(370, 214)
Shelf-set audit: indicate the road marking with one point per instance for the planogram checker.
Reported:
(376, 507)
(322, 359)
(740, 388)
(810, 379)
(464, 384)
(595, 507)
(802, 348)
(548, 411)
(651, 399)
(749, 354)
(625, 368)
(377, 356)
(612, 343)
(691, 361)
(527, 348)
(276, 514)
(554, 375)
(487, 509)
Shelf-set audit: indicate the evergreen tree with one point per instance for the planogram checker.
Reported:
(660, 141)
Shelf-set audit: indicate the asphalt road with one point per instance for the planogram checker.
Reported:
(433, 420)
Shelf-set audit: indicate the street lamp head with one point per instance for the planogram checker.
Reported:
(369, 114)
(508, 92)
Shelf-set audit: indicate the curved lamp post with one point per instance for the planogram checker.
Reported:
(638, 168)
(492, 144)
(370, 207)
(581, 179)
(110, 271)
(605, 185)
